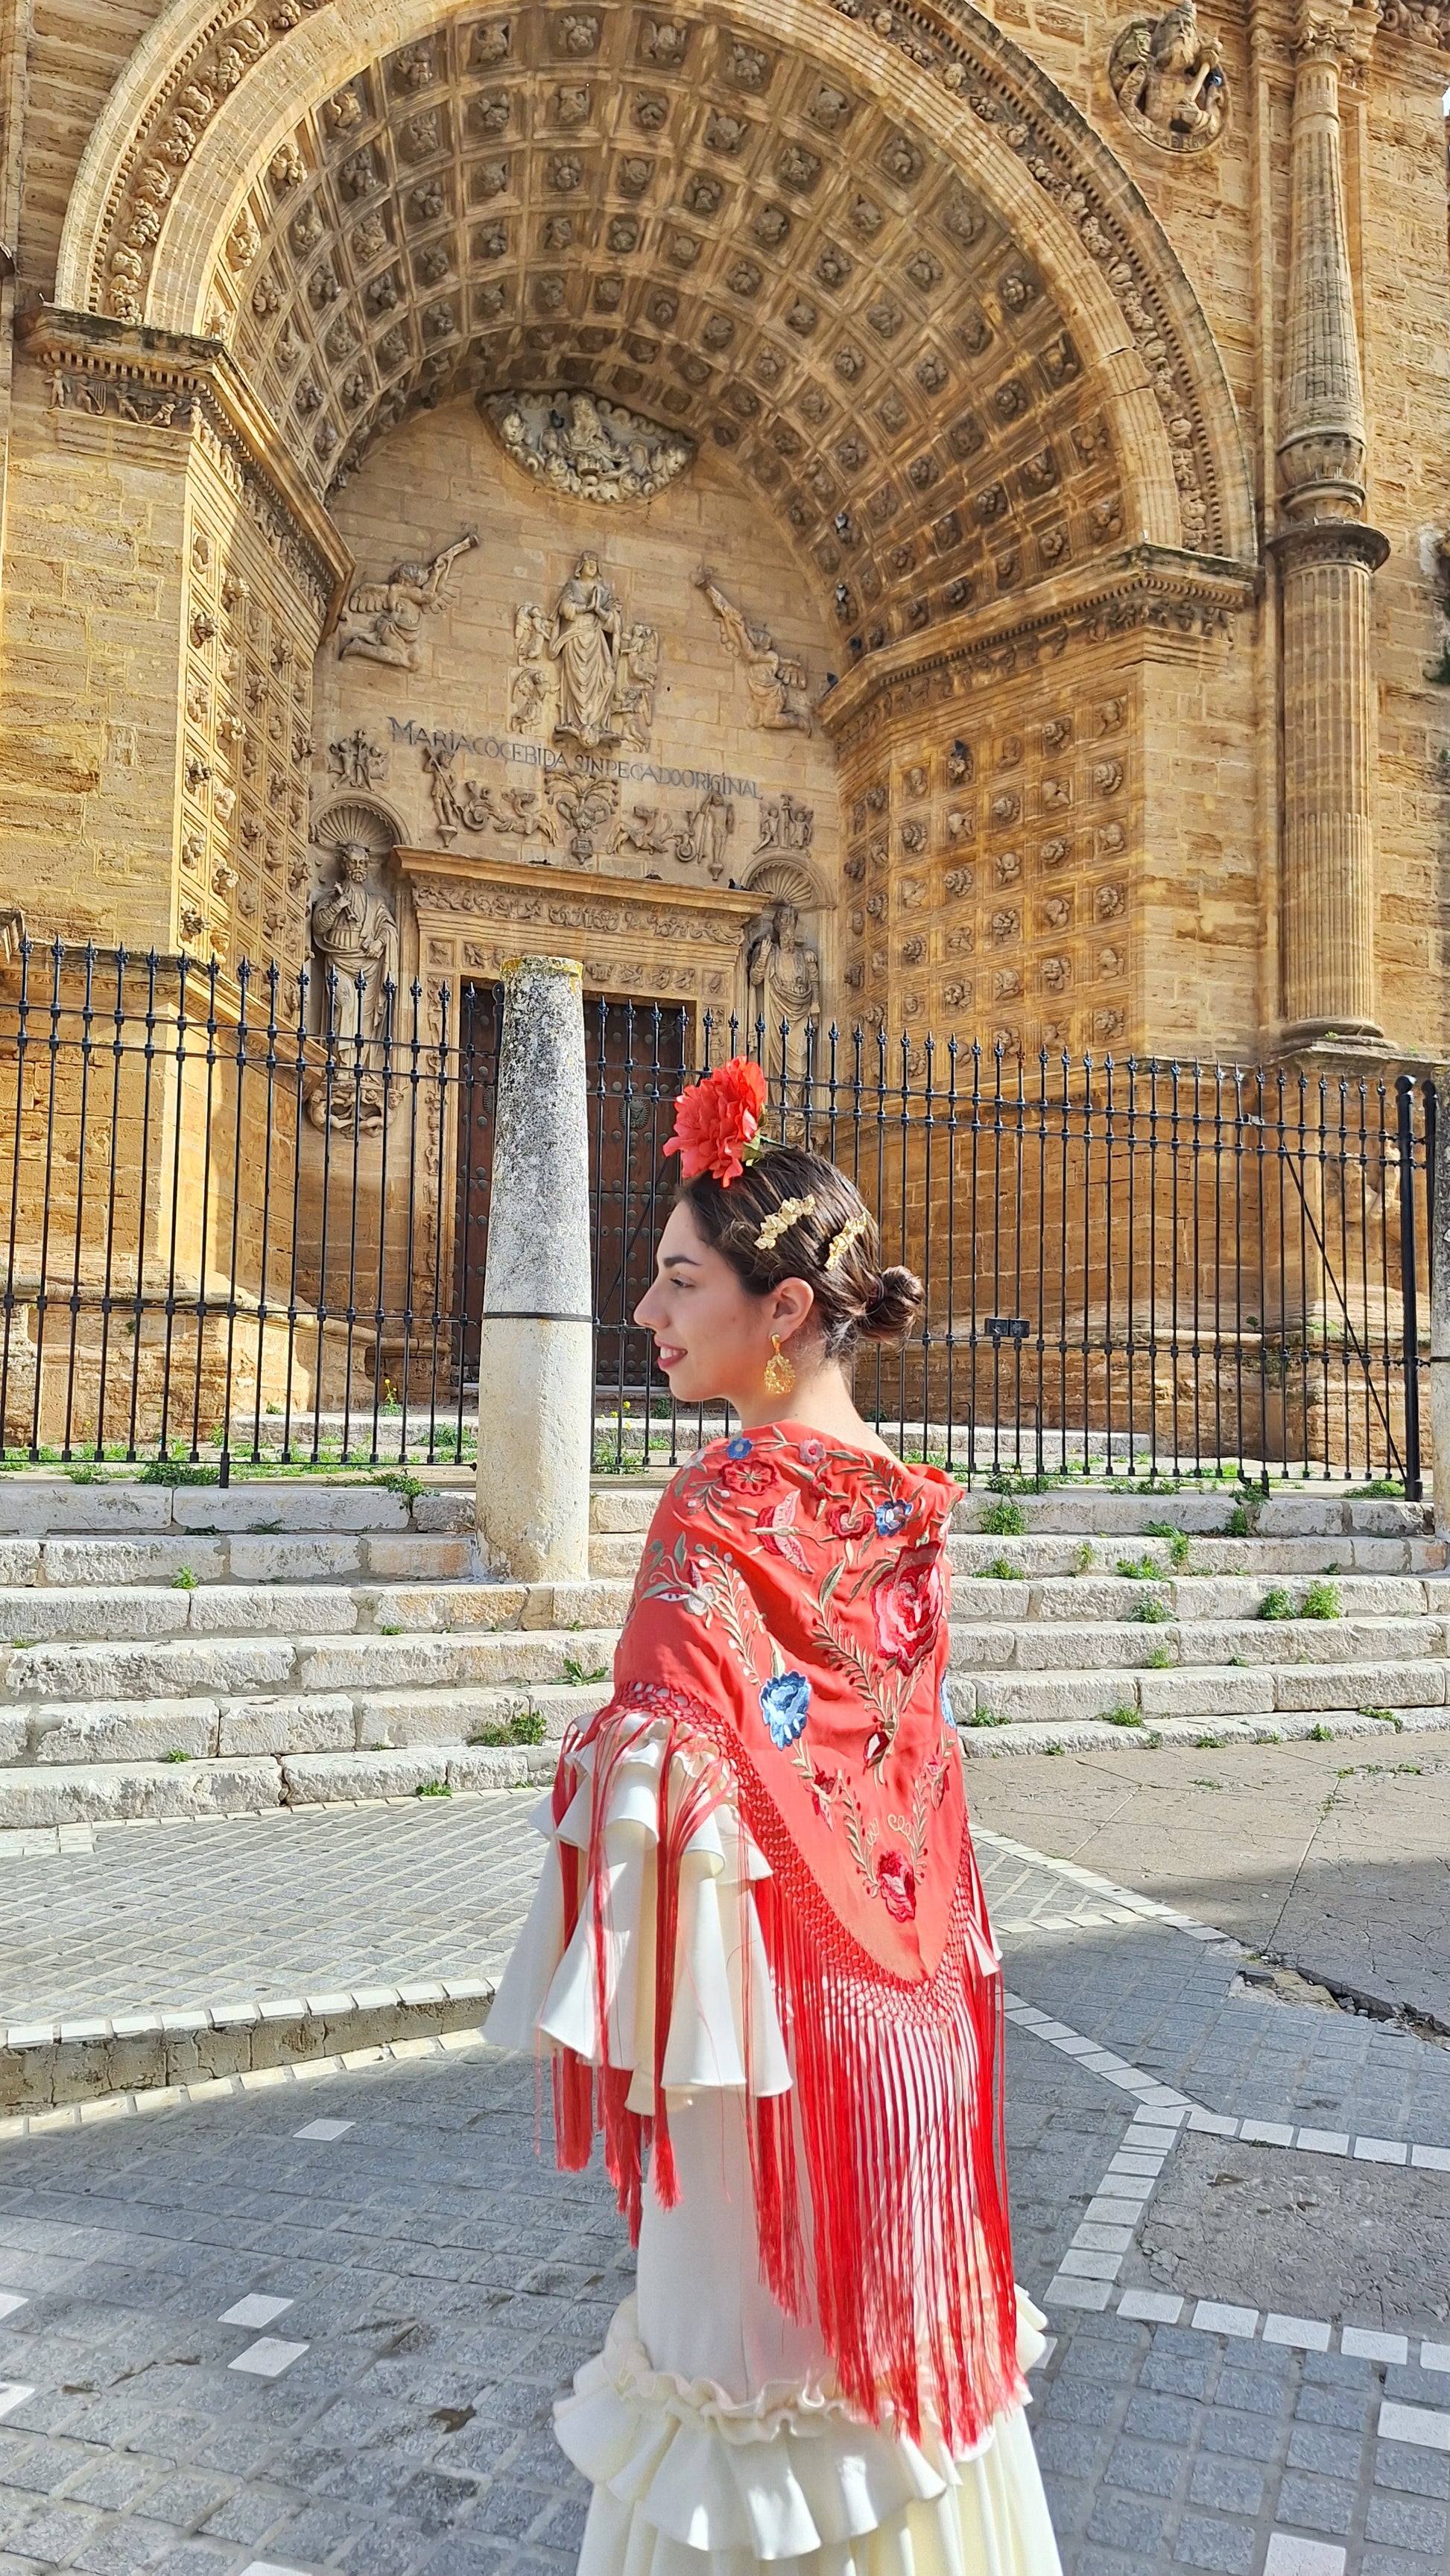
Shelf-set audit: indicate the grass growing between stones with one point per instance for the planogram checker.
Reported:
(526, 1726)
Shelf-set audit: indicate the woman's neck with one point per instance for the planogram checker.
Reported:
(819, 1402)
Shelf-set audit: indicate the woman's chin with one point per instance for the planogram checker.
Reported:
(689, 1384)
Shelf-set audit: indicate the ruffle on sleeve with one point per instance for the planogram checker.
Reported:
(689, 2483)
(549, 1995)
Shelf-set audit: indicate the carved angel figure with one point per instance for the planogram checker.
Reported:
(776, 682)
(390, 614)
(1169, 81)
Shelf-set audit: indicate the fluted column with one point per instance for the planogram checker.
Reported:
(1327, 558)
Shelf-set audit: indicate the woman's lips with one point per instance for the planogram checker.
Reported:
(669, 1355)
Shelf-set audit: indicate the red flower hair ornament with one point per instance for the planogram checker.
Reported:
(717, 1122)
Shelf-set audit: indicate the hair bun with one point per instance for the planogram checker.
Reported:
(889, 1315)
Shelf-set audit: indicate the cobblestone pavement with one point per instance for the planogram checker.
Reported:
(165, 1915)
(1234, 2208)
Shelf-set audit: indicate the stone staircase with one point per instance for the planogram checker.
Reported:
(185, 1651)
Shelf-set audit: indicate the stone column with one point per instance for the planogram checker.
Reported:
(1326, 558)
(536, 1354)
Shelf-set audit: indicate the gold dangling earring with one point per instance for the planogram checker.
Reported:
(779, 1373)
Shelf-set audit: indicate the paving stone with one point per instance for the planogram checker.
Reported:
(1120, 2524)
(1143, 2467)
(122, 2547)
(1160, 2419)
(1227, 2548)
(1410, 2526)
(1239, 2437)
(1320, 2504)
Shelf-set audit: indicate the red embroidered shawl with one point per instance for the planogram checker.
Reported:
(789, 1625)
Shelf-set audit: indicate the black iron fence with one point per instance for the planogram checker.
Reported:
(244, 1220)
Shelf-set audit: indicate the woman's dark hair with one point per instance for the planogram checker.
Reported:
(856, 1299)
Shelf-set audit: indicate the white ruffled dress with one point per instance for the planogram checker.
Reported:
(708, 2426)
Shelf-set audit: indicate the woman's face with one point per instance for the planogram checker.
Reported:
(712, 1337)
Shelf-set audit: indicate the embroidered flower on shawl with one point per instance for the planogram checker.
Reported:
(892, 1516)
(896, 1882)
(748, 1475)
(717, 1122)
(908, 1602)
(947, 1710)
(785, 1704)
(740, 1448)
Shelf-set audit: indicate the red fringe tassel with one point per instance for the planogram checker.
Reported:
(896, 2234)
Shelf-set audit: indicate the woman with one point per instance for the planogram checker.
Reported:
(760, 1958)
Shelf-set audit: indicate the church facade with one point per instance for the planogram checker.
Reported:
(905, 515)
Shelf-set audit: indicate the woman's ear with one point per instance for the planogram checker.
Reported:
(790, 1302)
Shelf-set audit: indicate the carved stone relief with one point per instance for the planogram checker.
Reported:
(1169, 80)
(580, 671)
(574, 443)
(383, 621)
(783, 976)
(355, 950)
(776, 681)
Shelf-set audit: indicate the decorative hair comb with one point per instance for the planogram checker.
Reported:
(840, 1244)
(717, 1122)
(782, 1221)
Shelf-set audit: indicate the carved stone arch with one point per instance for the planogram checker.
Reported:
(1041, 280)
(789, 881)
(365, 819)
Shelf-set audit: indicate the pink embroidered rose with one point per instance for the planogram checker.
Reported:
(849, 1519)
(896, 1884)
(908, 1603)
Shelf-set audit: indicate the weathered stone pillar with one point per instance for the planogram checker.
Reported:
(536, 1351)
(1326, 557)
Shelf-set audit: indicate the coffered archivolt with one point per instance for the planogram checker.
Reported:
(894, 276)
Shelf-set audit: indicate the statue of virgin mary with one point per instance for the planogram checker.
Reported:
(584, 639)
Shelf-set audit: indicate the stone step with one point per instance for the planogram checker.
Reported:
(167, 1668)
(54, 1563)
(985, 1699)
(1207, 1597)
(35, 1505)
(1057, 1553)
(114, 1792)
(1020, 1644)
(44, 1796)
(1084, 1735)
(1087, 1511)
(1270, 1558)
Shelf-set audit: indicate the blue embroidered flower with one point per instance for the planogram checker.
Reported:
(738, 1448)
(889, 1518)
(785, 1705)
(946, 1708)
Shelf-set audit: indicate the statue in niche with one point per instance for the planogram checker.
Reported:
(1169, 80)
(603, 673)
(575, 442)
(389, 615)
(784, 976)
(355, 941)
(776, 682)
